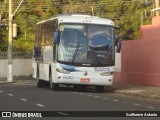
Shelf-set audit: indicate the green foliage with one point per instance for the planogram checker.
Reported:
(26, 18)
(3, 42)
(127, 15)
(78, 6)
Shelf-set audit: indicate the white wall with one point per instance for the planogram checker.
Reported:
(21, 67)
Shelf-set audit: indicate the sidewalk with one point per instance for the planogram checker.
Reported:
(15, 80)
(137, 90)
(142, 91)
(6, 82)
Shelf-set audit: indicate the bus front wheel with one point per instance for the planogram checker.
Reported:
(54, 86)
(39, 83)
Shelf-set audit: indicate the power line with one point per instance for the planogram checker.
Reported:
(96, 5)
(46, 7)
(41, 4)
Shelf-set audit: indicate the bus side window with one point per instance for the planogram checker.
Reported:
(37, 51)
(54, 52)
(55, 26)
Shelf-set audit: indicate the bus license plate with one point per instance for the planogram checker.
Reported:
(86, 80)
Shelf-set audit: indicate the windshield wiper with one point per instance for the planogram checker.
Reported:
(75, 52)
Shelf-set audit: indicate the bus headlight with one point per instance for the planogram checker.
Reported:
(62, 71)
(106, 73)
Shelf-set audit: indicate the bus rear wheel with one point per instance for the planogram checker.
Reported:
(100, 89)
(39, 81)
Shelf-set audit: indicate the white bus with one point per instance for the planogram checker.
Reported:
(76, 50)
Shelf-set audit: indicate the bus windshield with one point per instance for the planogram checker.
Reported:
(86, 44)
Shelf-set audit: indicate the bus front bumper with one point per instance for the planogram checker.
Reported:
(85, 80)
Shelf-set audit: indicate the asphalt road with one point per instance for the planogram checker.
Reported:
(25, 96)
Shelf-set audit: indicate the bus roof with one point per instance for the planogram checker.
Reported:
(80, 18)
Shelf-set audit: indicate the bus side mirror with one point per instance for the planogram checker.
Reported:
(118, 44)
(56, 37)
(118, 49)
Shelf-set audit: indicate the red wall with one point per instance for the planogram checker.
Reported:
(141, 58)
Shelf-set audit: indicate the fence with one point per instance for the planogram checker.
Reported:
(3, 55)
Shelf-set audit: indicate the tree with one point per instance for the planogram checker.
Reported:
(126, 15)
(3, 29)
(3, 42)
(78, 6)
(26, 18)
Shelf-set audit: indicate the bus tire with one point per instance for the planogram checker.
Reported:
(100, 89)
(46, 84)
(39, 83)
(54, 86)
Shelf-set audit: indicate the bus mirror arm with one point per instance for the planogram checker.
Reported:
(118, 43)
(56, 37)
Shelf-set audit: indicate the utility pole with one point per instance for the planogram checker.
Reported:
(10, 36)
(157, 6)
(10, 74)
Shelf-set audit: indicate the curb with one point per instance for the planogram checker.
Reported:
(5, 82)
(136, 94)
(14, 81)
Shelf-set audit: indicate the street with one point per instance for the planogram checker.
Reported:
(25, 96)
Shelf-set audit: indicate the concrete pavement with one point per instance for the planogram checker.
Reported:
(142, 91)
